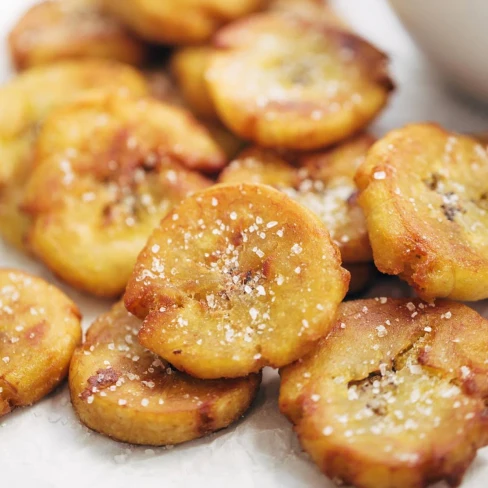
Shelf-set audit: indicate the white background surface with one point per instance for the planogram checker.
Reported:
(44, 446)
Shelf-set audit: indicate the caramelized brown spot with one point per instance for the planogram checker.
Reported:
(205, 425)
(35, 333)
(103, 379)
(267, 268)
(236, 239)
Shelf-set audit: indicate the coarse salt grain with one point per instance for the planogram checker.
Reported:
(144, 402)
(328, 430)
(379, 175)
(381, 330)
(296, 249)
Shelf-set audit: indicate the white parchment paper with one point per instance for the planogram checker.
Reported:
(45, 446)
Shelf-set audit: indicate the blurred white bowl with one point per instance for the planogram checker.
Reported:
(454, 35)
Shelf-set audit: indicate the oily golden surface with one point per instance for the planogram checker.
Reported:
(179, 21)
(107, 171)
(39, 330)
(236, 278)
(25, 102)
(290, 82)
(395, 396)
(424, 192)
(188, 65)
(124, 391)
(321, 181)
(54, 30)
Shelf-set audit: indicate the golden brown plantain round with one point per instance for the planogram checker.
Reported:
(179, 22)
(425, 195)
(233, 280)
(321, 181)
(39, 330)
(395, 396)
(25, 102)
(188, 65)
(124, 391)
(54, 30)
(284, 81)
(107, 171)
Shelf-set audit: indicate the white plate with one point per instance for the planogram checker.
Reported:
(44, 446)
(454, 36)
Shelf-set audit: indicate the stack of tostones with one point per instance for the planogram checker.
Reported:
(211, 161)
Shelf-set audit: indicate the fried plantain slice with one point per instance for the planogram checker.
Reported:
(188, 65)
(321, 181)
(55, 30)
(179, 22)
(25, 102)
(395, 396)
(233, 280)
(39, 330)
(425, 197)
(124, 391)
(284, 81)
(108, 169)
